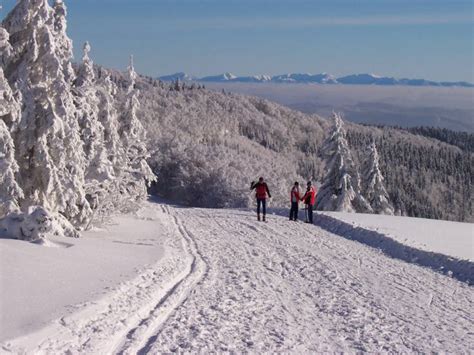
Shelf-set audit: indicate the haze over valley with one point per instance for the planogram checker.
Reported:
(405, 106)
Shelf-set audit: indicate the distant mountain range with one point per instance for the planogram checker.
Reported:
(323, 78)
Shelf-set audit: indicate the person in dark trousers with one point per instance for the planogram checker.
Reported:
(309, 199)
(295, 197)
(261, 193)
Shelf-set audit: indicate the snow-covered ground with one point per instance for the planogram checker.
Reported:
(450, 238)
(203, 280)
(43, 283)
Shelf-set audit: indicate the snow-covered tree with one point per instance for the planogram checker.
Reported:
(5, 47)
(340, 190)
(109, 118)
(64, 43)
(10, 191)
(48, 145)
(99, 171)
(133, 136)
(10, 108)
(373, 183)
(99, 168)
(109, 193)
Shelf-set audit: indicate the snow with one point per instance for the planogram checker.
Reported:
(450, 238)
(174, 279)
(45, 283)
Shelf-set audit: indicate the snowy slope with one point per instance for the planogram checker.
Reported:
(70, 271)
(450, 238)
(228, 283)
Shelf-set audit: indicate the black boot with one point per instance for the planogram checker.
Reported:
(258, 217)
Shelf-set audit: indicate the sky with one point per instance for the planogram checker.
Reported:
(431, 39)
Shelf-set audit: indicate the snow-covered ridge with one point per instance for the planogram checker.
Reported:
(323, 78)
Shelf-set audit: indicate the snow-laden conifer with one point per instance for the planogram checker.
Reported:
(373, 186)
(109, 194)
(10, 191)
(109, 118)
(5, 47)
(92, 131)
(99, 170)
(64, 43)
(49, 149)
(10, 108)
(340, 190)
(133, 136)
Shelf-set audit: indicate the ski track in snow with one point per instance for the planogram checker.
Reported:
(125, 320)
(283, 286)
(232, 284)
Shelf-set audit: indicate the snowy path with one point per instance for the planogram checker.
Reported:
(282, 286)
(229, 283)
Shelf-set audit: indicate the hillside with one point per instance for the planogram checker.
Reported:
(209, 145)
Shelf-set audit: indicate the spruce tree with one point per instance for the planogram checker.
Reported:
(99, 169)
(64, 43)
(340, 190)
(10, 191)
(373, 186)
(49, 149)
(109, 118)
(133, 136)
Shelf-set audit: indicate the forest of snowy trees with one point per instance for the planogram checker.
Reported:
(80, 142)
(206, 139)
(424, 177)
(71, 153)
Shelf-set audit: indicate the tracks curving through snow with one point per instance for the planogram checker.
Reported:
(126, 319)
(140, 339)
(231, 284)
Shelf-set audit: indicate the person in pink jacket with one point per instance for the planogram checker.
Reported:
(309, 199)
(295, 197)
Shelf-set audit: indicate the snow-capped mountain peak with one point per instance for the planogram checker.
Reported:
(262, 77)
(219, 78)
(181, 76)
(322, 78)
(228, 76)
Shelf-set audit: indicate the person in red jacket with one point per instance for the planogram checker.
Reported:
(261, 193)
(295, 197)
(309, 199)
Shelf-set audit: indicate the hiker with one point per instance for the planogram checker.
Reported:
(261, 193)
(309, 199)
(295, 198)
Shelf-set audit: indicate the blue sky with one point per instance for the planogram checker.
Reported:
(403, 38)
